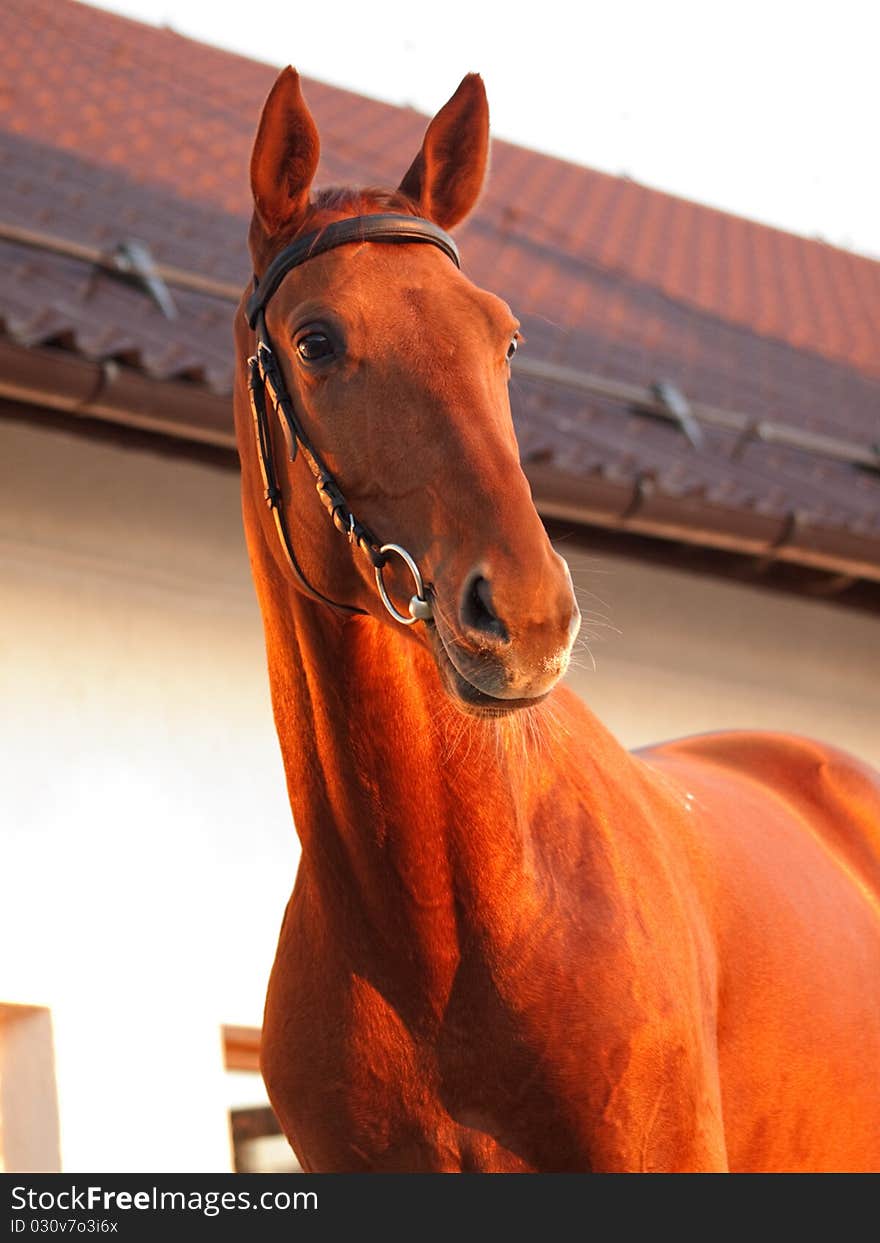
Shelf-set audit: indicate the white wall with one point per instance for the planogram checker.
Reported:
(683, 654)
(147, 851)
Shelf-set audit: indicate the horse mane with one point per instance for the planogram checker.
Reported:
(362, 200)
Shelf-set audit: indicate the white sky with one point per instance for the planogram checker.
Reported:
(767, 109)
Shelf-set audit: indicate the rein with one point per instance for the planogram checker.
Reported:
(265, 380)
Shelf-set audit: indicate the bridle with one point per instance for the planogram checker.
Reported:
(265, 378)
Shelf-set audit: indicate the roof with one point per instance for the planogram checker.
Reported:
(110, 129)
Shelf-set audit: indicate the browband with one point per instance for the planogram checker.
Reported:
(383, 227)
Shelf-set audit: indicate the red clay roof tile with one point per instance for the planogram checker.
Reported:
(109, 128)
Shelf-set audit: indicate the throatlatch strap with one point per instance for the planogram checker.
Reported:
(272, 491)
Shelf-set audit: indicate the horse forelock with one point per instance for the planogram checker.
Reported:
(325, 206)
(359, 201)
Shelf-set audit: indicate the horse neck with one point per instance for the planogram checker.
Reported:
(413, 829)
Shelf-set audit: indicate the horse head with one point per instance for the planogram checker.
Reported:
(397, 366)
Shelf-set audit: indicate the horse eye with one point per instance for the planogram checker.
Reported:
(313, 346)
(511, 349)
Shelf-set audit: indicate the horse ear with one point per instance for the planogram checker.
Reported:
(447, 175)
(285, 155)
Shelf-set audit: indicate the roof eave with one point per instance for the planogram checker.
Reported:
(107, 391)
(628, 507)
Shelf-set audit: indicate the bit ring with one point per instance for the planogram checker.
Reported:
(419, 608)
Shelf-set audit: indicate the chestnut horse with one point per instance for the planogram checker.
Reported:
(512, 945)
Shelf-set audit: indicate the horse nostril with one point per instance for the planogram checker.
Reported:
(477, 612)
